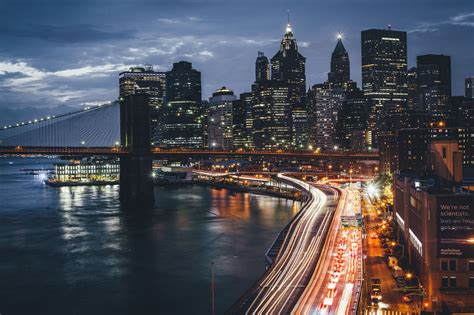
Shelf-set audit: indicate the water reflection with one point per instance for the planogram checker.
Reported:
(95, 258)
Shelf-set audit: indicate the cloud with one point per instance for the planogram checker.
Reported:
(462, 19)
(65, 33)
(180, 21)
(25, 79)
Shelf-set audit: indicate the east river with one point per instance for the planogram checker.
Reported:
(73, 250)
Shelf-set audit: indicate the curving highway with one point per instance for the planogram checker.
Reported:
(280, 287)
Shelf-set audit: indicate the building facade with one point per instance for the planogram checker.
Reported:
(220, 119)
(288, 67)
(154, 85)
(434, 83)
(384, 73)
(324, 105)
(271, 112)
(434, 220)
(183, 117)
(469, 87)
(340, 72)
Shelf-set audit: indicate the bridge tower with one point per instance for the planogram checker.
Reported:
(136, 185)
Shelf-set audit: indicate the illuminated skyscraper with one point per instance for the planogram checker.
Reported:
(220, 119)
(340, 67)
(434, 83)
(151, 83)
(183, 114)
(384, 73)
(288, 67)
(325, 103)
(242, 121)
(412, 89)
(271, 113)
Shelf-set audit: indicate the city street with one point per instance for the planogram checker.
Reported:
(376, 266)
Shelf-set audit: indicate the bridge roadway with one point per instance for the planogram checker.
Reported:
(282, 284)
(170, 153)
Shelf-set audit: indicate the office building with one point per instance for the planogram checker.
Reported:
(352, 122)
(384, 73)
(412, 89)
(262, 68)
(434, 218)
(434, 83)
(220, 119)
(469, 87)
(154, 85)
(288, 67)
(324, 104)
(242, 121)
(340, 66)
(271, 112)
(183, 114)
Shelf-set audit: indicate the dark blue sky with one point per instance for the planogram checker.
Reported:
(69, 52)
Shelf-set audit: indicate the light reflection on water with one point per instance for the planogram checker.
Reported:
(75, 248)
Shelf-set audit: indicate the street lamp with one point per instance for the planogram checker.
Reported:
(410, 276)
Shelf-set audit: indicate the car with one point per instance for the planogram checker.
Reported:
(376, 292)
(374, 303)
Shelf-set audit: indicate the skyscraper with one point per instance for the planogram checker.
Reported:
(384, 73)
(151, 83)
(434, 83)
(183, 113)
(469, 87)
(242, 121)
(262, 68)
(340, 67)
(352, 121)
(412, 89)
(271, 112)
(220, 119)
(288, 67)
(324, 104)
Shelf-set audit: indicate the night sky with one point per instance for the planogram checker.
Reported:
(59, 54)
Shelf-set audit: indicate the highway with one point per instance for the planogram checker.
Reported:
(337, 278)
(279, 289)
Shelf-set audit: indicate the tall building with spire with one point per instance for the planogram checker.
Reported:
(288, 65)
(340, 67)
(288, 68)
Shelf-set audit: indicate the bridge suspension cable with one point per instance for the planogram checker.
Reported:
(94, 126)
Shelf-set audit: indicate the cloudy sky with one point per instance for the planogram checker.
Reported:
(60, 54)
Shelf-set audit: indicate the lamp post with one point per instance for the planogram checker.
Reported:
(420, 294)
(213, 289)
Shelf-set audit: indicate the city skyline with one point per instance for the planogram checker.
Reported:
(44, 77)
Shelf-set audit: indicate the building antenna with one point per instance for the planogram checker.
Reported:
(288, 13)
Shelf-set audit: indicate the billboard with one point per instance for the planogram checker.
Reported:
(456, 226)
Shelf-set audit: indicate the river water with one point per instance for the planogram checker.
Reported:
(73, 250)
